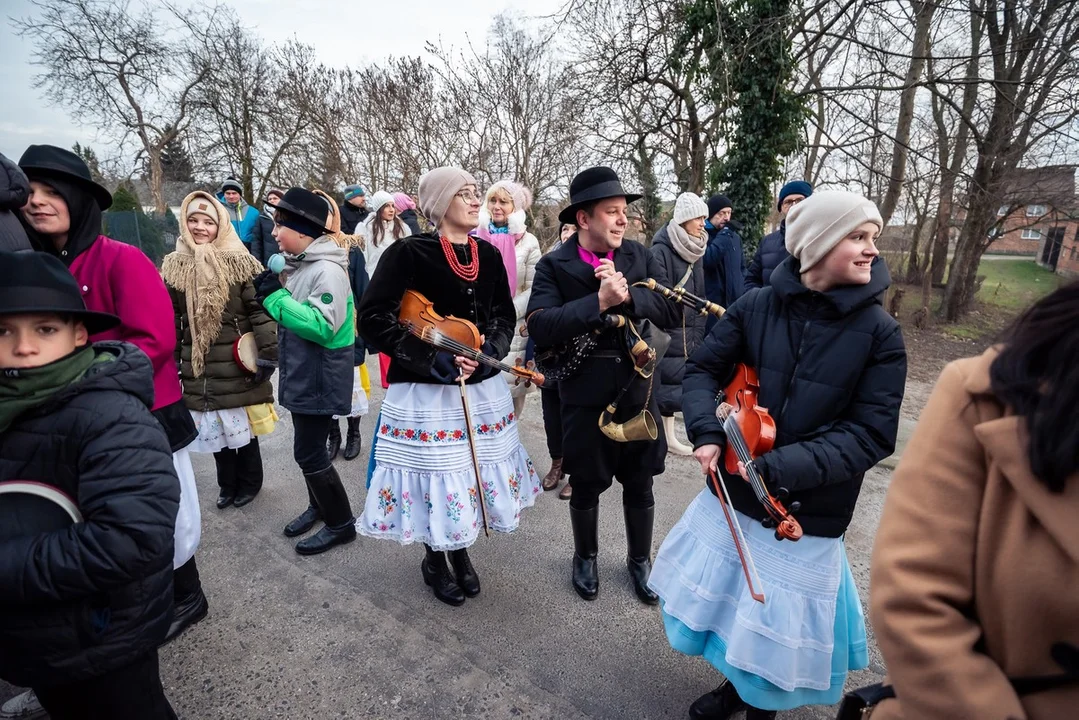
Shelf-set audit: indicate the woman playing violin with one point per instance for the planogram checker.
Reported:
(831, 365)
(422, 485)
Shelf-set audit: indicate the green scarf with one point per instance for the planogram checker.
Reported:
(24, 388)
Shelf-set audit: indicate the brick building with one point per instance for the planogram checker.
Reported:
(1040, 218)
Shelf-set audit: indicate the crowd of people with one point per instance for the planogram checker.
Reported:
(112, 372)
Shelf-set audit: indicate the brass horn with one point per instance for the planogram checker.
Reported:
(641, 427)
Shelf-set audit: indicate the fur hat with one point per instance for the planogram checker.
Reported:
(689, 206)
(794, 187)
(522, 201)
(437, 189)
(819, 223)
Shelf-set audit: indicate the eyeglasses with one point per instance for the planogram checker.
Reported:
(791, 202)
(468, 196)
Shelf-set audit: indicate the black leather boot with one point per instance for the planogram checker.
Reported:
(719, 704)
(639, 555)
(437, 574)
(307, 519)
(226, 477)
(248, 473)
(464, 572)
(332, 501)
(353, 440)
(189, 602)
(753, 713)
(585, 550)
(333, 440)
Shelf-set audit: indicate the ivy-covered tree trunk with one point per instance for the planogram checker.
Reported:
(754, 35)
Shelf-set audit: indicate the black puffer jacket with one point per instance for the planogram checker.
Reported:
(79, 602)
(770, 253)
(352, 216)
(688, 334)
(357, 280)
(223, 383)
(832, 368)
(263, 243)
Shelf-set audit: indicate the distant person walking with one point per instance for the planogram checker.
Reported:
(773, 249)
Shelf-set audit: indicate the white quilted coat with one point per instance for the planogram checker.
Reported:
(528, 255)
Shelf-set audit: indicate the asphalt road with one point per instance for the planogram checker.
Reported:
(355, 633)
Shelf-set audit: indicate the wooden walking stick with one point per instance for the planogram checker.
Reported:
(475, 459)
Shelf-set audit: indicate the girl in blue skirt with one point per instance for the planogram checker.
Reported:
(832, 367)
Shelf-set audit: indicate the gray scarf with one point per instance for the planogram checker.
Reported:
(689, 248)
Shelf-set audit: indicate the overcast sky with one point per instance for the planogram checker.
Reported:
(344, 32)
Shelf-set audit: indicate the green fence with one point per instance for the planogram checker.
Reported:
(154, 234)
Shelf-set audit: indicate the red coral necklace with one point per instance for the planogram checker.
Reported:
(468, 272)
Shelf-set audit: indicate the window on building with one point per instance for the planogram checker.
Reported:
(1032, 234)
(1003, 210)
(1036, 210)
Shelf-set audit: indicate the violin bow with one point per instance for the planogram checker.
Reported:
(756, 589)
(475, 459)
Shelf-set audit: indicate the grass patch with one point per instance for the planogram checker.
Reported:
(1015, 284)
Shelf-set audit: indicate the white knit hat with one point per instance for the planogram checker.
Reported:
(822, 220)
(379, 200)
(689, 206)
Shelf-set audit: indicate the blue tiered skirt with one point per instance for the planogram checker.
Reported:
(795, 649)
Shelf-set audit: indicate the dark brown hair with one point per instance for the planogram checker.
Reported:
(1036, 375)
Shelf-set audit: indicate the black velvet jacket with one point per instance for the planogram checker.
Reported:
(418, 263)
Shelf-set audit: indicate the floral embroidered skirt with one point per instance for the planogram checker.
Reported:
(422, 487)
(231, 428)
(359, 395)
(793, 650)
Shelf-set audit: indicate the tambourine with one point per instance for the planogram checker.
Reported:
(245, 352)
(30, 508)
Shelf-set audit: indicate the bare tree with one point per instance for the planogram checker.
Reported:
(125, 70)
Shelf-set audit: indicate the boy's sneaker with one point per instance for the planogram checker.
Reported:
(22, 707)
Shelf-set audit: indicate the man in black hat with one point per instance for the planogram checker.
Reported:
(579, 290)
(87, 522)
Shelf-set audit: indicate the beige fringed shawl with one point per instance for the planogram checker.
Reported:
(206, 272)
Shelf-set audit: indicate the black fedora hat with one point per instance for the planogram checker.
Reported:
(308, 206)
(594, 183)
(45, 161)
(33, 282)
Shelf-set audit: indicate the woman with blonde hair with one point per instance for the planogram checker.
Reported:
(209, 278)
(502, 223)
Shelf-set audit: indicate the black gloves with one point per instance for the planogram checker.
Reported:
(266, 284)
(264, 370)
(444, 369)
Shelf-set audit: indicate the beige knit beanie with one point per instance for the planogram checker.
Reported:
(689, 206)
(437, 189)
(818, 223)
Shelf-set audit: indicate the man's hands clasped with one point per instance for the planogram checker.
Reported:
(613, 286)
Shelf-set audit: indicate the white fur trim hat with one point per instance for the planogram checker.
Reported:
(522, 201)
(689, 206)
(818, 223)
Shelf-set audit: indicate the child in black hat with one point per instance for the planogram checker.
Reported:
(88, 503)
(315, 338)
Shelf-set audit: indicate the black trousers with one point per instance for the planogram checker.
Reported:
(552, 419)
(132, 692)
(185, 580)
(240, 471)
(309, 442)
(594, 461)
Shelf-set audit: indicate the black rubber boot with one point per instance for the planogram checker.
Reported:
(226, 477)
(307, 519)
(353, 439)
(248, 473)
(639, 556)
(464, 572)
(437, 574)
(332, 501)
(333, 440)
(719, 704)
(585, 550)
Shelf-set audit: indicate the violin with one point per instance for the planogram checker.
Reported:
(751, 432)
(455, 335)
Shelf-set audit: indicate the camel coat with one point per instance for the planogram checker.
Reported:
(975, 570)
